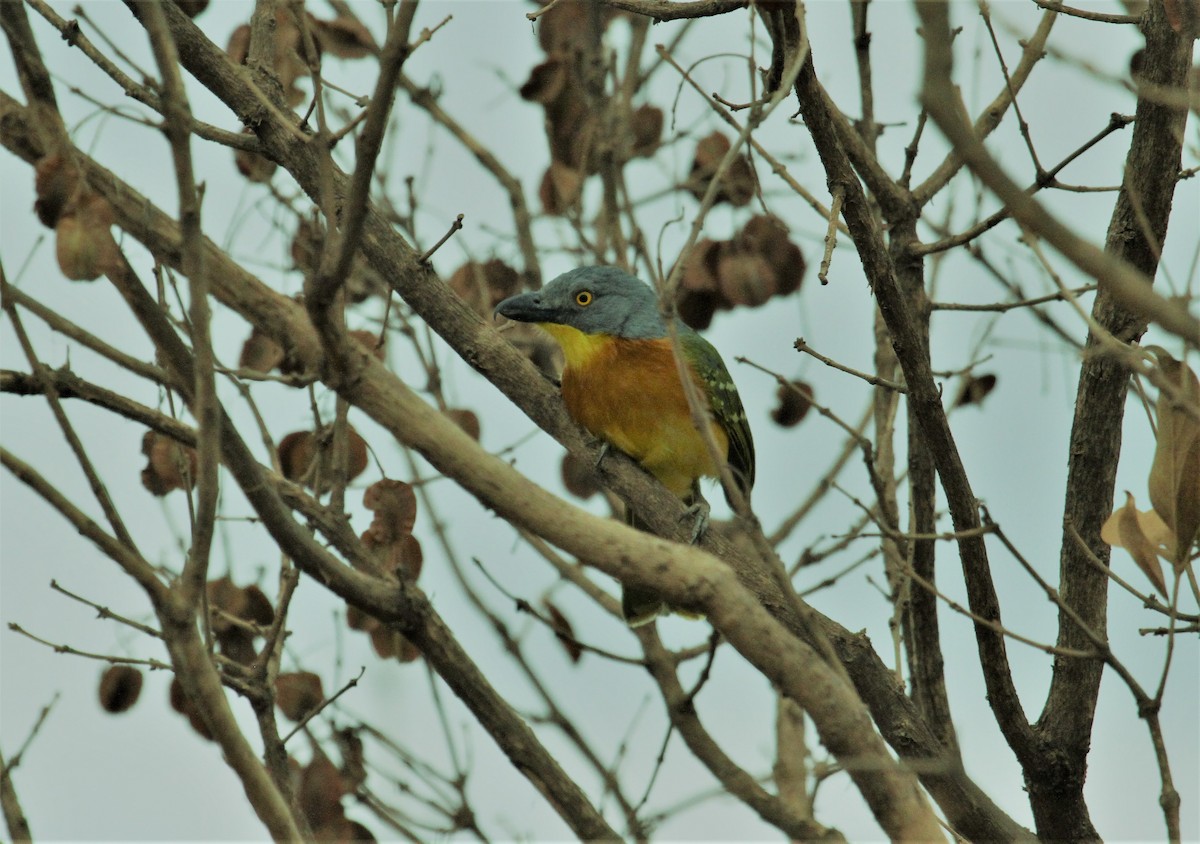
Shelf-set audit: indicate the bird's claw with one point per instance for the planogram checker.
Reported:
(603, 453)
(698, 511)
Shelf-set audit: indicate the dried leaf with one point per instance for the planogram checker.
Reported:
(356, 619)
(739, 183)
(84, 244)
(182, 704)
(248, 604)
(409, 558)
(237, 644)
(1143, 534)
(57, 183)
(395, 507)
(238, 47)
(350, 748)
(363, 282)
(191, 8)
(307, 458)
(1175, 473)
(167, 465)
(974, 389)
(385, 641)
(371, 341)
(407, 651)
(344, 37)
(254, 165)
(567, 28)
(465, 419)
(306, 245)
(696, 308)
(298, 694)
(321, 791)
(546, 82)
(120, 687)
(795, 400)
(258, 608)
(360, 834)
(646, 124)
(744, 278)
(260, 352)
(564, 631)
(560, 188)
(766, 235)
(484, 286)
(289, 66)
(579, 477)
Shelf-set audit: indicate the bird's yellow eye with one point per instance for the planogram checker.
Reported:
(583, 298)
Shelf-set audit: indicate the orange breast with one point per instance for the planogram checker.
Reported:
(630, 395)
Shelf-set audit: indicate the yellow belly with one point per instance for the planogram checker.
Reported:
(628, 393)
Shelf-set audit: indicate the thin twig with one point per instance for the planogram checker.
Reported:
(873, 380)
(350, 684)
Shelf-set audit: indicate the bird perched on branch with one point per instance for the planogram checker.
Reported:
(621, 383)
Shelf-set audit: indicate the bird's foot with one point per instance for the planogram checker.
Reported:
(603, 453)
(699, 512)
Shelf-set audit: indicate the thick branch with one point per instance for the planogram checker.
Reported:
(1136, 233)
(925, 405)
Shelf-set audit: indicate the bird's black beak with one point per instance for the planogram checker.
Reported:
(525, 307)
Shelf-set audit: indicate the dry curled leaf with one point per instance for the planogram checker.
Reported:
(344, 37)
(191, 8)
(171, 465)
(567, 28)
(646, 124)
(390, 644)
(321, 791)
(465, 419)
(794, 402)
(254, 165)
(409, 558)
(1175, 472)
(56, 182)
(238, 46)
(182, 704)
(394, 504)
(84, 244)
(579, 476)
(546, 82)
(371, 341)
(974, 389)
(1144, 535)
(350, 748)
(560, 189)
(260, 352)
(483, 286)
(564, 631)
(298, 694)
(120, 687)
(247, 603)
(307, 244)
(308, 458)
(759, 262)
(230, 604)
(765, 235)
(737, 186)
(744, 278)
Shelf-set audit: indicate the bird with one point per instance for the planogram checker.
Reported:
(621, 383)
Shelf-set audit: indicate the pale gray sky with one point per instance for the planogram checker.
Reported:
(146, 775)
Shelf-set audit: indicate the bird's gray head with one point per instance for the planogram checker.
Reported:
(594, 300)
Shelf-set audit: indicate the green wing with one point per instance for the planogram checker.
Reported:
(725, 402)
